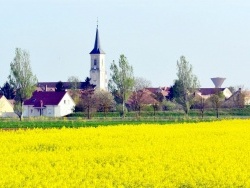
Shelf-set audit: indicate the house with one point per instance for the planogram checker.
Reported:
(51, 104)
(247, 97)
(141, 98)
(6, 107)
(156, 90)
(239, 99)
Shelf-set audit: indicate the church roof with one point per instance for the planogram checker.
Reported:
(51, 86)
(97, 48)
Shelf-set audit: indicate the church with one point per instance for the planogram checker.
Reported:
(98, 73)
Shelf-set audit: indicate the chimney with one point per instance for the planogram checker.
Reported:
(41, 103)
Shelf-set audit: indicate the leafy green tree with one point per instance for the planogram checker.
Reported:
(8, 91)
(185, 85)
(21, 79)
(87, 84)
(59, 86)
(175, 90)
(122, 80)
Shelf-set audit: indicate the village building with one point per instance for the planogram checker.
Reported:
(51, 86)
(6, 107)
(98, 74)
(208, 92)
(50, 104)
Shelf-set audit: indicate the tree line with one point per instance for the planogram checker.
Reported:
(123, 86)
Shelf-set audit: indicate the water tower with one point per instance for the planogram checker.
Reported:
(218, 81)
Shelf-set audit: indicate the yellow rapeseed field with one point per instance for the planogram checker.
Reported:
(213, 154)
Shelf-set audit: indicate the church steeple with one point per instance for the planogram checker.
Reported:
(98, 74)
(97, 48)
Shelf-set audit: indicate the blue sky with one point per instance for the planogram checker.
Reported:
(213, 35)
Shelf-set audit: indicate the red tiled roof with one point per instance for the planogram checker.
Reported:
(163, 90)
(143, 97)
(39, 99)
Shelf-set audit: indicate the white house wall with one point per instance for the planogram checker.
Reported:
(6, 109)
(30, 111)
(66, 105)
(227, 93)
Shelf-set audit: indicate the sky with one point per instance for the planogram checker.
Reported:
(213, 35)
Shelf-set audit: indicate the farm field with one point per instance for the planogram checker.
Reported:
(205, 154)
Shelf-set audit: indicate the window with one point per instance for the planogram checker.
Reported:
(49, 111)
(95, 63)
(31, 111)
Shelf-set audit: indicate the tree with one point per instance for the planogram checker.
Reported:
(22, 79)
(140, 99)
(88, 101)
(59, 86)
(185, 85)
(141, 83)
(238, 97)
(122, 80)
(216, 99)
(104, 101)
(200, 103)
(139, 95)
(87, 84)
(8, 91)
(74, 84)
(175, 90)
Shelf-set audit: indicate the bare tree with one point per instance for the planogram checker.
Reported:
(216, 99)
(139, 95)
(104, 101)
(88, 101)
(238, 97)
(141, 83)
(201, 104)
(75, 88)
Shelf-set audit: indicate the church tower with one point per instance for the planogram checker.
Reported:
(98, 74)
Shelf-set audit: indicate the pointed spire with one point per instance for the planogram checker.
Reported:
(97, 47)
